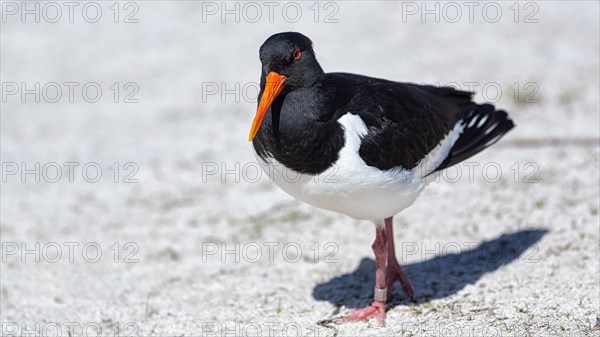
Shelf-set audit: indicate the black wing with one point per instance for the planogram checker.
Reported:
(407, 121)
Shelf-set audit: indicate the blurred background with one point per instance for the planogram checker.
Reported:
(127, 176)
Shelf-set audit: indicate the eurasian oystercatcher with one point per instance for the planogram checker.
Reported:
(371, 141)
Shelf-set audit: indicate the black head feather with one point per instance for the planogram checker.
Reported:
(278, 54)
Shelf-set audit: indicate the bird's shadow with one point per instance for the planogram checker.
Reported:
(434, 277)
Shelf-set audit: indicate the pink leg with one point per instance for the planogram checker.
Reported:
(394, 272)
(377, 308)
(387, 272)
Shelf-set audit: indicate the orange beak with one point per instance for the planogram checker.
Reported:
(273, 87)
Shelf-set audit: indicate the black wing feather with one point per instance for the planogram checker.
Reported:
(407, 121)
(476, 137)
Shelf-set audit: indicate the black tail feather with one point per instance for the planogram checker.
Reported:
(484, 126)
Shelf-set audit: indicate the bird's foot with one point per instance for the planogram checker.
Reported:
(394, 273)
(375, 310)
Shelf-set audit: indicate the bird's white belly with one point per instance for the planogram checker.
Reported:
(352, 187)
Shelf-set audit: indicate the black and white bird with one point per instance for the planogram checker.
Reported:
(361, 146)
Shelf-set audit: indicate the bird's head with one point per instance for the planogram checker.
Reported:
(288, 63)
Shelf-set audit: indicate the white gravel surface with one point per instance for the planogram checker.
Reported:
(193, 243)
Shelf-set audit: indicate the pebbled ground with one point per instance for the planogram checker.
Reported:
(184, 237)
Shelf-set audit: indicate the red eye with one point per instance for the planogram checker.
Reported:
(297, 54)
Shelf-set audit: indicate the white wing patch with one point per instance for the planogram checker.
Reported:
(434, 158)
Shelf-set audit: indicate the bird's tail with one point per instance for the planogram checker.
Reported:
(484, 126)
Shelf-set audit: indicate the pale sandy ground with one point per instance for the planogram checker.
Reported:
(486, 258)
